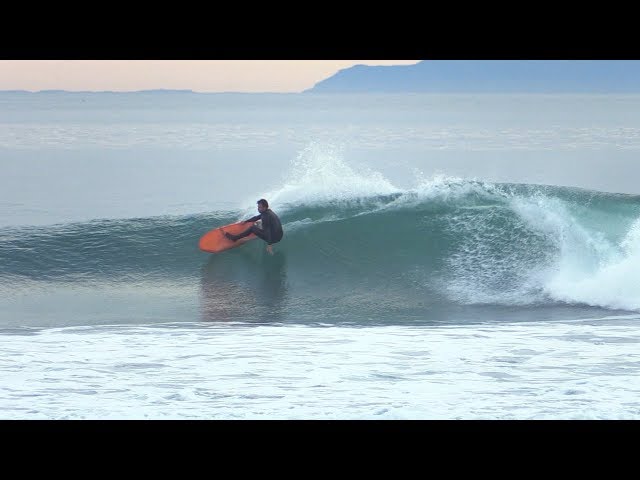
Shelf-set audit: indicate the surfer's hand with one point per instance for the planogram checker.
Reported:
(270, 249)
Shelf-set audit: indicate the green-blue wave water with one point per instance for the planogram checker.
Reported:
(383, 258)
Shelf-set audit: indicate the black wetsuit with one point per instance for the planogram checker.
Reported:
(271, 231)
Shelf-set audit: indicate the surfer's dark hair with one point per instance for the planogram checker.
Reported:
(263, 202)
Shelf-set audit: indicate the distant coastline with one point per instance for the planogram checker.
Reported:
(136, 92)
(488, 76)
(160, 90)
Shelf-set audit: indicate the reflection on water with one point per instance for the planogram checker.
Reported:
(244, 284)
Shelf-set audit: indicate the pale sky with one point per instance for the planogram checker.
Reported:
(197, 75)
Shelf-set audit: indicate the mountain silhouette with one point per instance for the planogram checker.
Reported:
(489, 76)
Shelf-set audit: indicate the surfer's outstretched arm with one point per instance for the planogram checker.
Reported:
(253, 219)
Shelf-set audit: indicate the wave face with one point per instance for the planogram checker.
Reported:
(446, 242)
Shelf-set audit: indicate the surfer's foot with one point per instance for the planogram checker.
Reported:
(230, 236)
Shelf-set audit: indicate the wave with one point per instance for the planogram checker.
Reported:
(446, 241)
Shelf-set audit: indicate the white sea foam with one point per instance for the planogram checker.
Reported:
(549, 370)
(579, 265)
(610, 278)
(589, 268)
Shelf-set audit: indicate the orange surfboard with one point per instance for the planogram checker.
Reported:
(215, 242)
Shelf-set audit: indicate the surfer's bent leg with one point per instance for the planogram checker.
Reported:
(253, 229)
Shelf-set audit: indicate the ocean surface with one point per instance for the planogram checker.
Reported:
(444, 256)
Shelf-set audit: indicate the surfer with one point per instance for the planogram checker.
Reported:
(271, 231)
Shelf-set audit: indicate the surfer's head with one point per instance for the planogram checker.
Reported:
(262, 205)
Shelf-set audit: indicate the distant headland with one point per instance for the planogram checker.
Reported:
(488, 76)
(76, 92)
